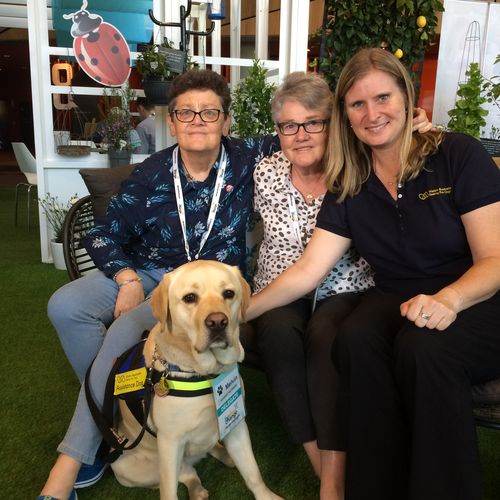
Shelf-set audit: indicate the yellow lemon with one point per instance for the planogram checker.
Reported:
(421, 21)
(398, 53)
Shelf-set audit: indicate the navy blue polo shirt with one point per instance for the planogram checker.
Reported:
(417, 243)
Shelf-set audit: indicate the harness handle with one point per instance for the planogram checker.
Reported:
(104, 419)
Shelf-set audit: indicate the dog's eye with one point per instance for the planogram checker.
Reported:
(190, 298)
(228, 294)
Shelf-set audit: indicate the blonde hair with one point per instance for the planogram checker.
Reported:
(349, 162)
(309, 89)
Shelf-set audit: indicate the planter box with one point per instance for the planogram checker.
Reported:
(118, 158)
(156, 91)
(58, 255)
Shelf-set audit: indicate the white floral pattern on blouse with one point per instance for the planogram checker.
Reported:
(280, 247)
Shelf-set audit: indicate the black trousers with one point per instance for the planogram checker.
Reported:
(295, 346)
(405, 400)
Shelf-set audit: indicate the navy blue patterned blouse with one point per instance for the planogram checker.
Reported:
(142, 229)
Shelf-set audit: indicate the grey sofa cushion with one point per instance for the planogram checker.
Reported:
(103, 183)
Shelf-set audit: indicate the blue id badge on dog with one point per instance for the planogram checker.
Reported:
(228, 400)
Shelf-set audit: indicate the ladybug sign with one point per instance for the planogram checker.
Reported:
(100, 49)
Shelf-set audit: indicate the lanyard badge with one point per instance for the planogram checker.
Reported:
(179, 197)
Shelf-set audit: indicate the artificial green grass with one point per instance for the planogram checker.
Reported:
(39, 390)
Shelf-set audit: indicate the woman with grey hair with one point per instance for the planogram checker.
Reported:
(295, 340)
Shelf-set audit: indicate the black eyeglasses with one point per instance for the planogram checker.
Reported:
(206, 115)
(311, 127)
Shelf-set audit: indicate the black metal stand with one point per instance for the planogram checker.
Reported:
(185, 33)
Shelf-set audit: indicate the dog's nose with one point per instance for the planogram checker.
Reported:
(216, 322)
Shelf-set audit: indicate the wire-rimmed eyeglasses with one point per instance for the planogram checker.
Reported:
(311, 127)
(206, 115)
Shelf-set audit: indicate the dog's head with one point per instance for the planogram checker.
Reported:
(204, 302)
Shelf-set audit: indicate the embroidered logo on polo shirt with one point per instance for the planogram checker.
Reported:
(434, 192)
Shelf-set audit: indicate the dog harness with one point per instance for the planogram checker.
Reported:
(171, 384)
(139, 394)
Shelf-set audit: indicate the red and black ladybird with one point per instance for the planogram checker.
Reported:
(100, 49)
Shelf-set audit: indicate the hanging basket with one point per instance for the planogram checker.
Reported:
(156, 91)
(119, 157)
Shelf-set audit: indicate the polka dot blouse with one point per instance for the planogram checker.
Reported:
(280, 246)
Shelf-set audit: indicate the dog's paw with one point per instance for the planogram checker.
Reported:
(198, 493)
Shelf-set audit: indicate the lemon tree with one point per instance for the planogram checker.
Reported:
(401, 26)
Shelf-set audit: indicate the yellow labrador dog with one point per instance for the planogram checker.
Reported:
(199, 307)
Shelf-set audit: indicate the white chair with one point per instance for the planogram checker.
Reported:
(27, 164)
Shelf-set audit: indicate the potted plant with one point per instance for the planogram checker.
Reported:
(156, 73)
(493, 96)
(468, 114)
(55, 212)
(117, 130)
(251, 107)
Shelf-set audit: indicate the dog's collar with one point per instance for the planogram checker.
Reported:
(168, 382)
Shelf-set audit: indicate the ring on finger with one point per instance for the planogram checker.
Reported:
(425, 316)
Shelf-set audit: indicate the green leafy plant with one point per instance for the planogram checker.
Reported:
(251, 107)
(55, 212)
(403, 27)
(493, 87)
(152, 64)
(468, 114)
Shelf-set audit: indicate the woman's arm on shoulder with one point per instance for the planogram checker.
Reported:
(322, 253)
(421, 123)
(479, 283)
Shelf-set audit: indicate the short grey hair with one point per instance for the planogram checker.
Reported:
(309, 89)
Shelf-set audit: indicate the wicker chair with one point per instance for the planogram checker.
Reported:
(79, 219)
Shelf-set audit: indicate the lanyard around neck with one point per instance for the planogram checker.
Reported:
(179, 197)
(294, 215)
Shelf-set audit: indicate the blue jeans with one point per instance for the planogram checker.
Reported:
(82, 314)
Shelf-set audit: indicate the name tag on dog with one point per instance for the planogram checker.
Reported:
(130, 381)
(228, 400)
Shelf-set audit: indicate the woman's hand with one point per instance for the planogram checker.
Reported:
(130, 293)
(420, 122)
(320, 256)
(129, 296)
(437, 311)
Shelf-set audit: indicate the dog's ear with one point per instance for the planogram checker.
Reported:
(245, 296)
(159, 301)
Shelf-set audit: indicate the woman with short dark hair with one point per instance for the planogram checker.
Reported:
(188, 201)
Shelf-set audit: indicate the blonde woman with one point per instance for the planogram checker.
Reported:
(424, 211)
